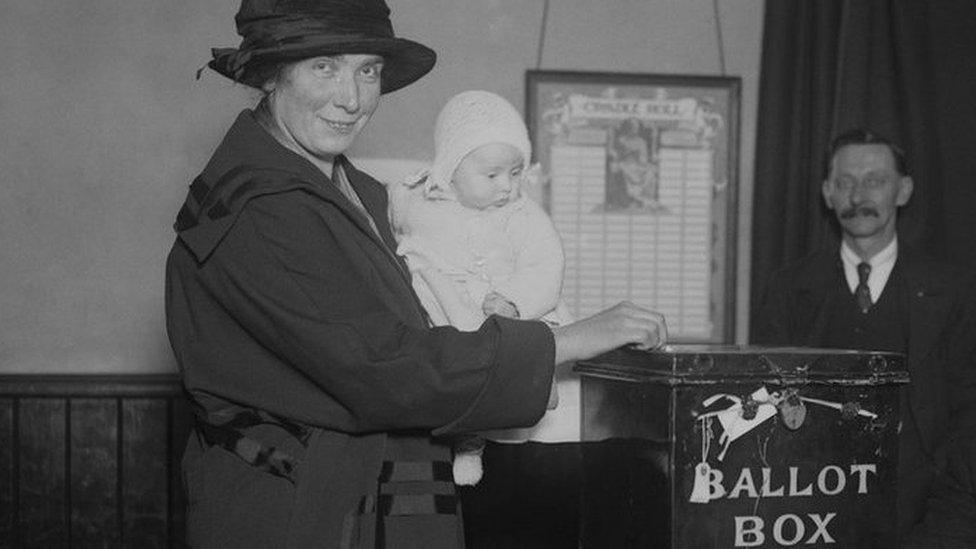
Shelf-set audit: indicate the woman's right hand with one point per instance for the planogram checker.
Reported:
(622, 324)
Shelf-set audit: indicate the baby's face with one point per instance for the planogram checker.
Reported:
(489, 176)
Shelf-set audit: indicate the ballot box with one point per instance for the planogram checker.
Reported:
(701, 446)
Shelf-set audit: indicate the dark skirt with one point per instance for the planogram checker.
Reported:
(529, 497)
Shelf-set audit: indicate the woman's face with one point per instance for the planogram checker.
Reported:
(322, 103)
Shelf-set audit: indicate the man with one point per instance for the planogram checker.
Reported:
(873, 292)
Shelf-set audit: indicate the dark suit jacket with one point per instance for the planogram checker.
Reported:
(950, 522)
(941, 304)
(280, 297)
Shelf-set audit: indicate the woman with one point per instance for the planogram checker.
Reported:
(320, 390)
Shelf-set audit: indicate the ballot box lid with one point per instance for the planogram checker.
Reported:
(706, 364)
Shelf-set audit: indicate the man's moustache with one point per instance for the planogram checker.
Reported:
(860, 211)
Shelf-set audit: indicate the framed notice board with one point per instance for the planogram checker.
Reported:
(641, 182)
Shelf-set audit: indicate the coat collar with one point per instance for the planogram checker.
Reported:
(248, 163)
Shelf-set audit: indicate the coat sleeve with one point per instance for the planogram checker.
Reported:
(307, 286)
(536, 284)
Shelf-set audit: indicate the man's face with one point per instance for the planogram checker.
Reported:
(865, 190)
(323, 103)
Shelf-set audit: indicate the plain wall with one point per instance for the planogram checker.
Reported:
(104, 125)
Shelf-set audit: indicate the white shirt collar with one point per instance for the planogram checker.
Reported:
(881, 265)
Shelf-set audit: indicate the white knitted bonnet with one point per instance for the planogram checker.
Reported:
(469, 120)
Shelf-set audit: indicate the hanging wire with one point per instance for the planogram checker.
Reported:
(542, 34)
(718, 36)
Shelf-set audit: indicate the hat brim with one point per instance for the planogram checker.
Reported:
(406, 61)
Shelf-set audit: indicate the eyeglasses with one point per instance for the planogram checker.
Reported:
(869, 183)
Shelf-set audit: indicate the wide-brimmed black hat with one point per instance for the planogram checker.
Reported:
(276, 31)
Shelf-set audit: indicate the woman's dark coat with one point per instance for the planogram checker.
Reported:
(282, 300)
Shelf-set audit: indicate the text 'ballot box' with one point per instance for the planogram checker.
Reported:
(702, 446)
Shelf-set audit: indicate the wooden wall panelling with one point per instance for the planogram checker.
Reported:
(94, 469)
(145, 513)
(43, 501)
(181, 423)
(92, 461)
(8, 504)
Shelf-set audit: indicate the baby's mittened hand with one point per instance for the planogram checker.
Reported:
(496, 304)
(467, 468)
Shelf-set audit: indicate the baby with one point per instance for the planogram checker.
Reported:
(476, 246)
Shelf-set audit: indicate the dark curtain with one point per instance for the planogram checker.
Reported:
(952, 26)
(829, 65)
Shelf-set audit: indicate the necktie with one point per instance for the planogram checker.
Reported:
(862, 292)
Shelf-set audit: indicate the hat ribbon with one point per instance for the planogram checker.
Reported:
(228, 61)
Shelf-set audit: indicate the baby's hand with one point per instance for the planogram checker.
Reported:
(496, 304)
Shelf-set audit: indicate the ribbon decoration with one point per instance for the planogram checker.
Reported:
(734, 420)
(742, 417)
(703, 471)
